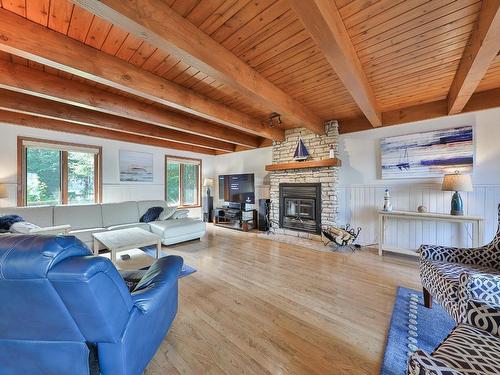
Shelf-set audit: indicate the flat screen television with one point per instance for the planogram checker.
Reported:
(237, 188)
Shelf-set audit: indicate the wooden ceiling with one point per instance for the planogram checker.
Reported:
(205, 75)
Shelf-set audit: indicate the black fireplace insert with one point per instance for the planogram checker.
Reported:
(300, 207)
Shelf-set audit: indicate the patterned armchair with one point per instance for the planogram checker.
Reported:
(453, 275)
(472, 348)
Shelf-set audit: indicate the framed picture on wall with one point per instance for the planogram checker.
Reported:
(427, 154)
(136, 166)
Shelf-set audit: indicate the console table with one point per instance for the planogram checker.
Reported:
(233, 218)
(383, 216)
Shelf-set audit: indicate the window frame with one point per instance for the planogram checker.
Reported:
(181, 193)
(22, 168)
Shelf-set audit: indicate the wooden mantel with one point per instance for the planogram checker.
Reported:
(332, 162)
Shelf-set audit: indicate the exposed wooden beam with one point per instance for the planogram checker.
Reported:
(30, 121)
(22, 103)
(323, 21)
(37, 43)
(164, 28)
(20, 78)
(478, 102)
(481, 50)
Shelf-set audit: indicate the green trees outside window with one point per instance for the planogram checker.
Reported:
(56, 174)
(183, 181)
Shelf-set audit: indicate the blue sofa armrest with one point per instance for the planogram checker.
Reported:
(160, 277)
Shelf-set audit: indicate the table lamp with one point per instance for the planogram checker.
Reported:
(208, 183)
(457, 182)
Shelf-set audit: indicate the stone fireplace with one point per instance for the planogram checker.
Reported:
(304, 199)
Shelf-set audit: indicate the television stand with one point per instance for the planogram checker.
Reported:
(235, 218)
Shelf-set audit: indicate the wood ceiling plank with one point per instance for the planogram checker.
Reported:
(98, 32)
(165, 29)
(448, 23)
(428, 49)
(36, 106)
(433, 11)
(286, 55)
(359, 11)
(60, 15)
(293, 63)
(128, 47)
(80, 23)
(202, 11)
(251, 10)
(16, 6)
(255, 25)
(324, 23)
(38, 11)
(184, 7)
(143, 53)
(114, 40)
(224, 12)
(27, 39)
(414, 44)
(483, 48)
(36, 122)
(154, 61)
(264, 34)
(85, 96)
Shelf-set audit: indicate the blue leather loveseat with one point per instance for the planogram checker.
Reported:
(59, 306)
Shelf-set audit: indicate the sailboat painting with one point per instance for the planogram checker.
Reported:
(427, 154)
(301, 152)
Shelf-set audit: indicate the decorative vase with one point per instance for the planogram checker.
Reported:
(387, 201)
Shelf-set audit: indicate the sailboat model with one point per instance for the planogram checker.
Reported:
(301, 152)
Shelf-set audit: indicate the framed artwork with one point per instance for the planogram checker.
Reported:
(136, 166)
(427, 154)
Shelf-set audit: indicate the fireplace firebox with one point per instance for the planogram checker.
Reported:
(300, 207)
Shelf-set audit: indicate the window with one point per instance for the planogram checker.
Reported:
(57, 173)
(182, 186)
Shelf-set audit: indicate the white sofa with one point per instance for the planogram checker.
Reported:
(88, 219)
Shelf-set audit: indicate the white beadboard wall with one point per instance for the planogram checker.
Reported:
(359, 205)
(361, 189)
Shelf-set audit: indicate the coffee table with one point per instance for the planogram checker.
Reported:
(126, 239)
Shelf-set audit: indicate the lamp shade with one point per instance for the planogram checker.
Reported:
(208, 182)
(457, 182)
(3, 191)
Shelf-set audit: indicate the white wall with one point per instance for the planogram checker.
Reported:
(113, 189)
(361, 189)
(252, 161)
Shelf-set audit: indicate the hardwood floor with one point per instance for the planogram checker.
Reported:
(261, 307)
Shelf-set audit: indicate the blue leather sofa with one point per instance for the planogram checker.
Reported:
(59, 304)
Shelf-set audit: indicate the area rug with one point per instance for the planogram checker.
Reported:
(413, 327)
(140, 259)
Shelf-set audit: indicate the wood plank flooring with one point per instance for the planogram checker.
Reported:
(257, 306)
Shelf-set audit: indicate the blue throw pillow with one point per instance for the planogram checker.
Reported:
(7, 221)
(151, 214)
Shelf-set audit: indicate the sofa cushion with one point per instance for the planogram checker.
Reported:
(167, 213)
(120, 213)
(144, 226)
(151, 214)
(85, 235)
(145, 205)
(177, 227)
(42, 216)
(7, 221)
(79, 216)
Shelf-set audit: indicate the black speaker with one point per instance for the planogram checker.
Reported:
(263, 219)
(208, 208)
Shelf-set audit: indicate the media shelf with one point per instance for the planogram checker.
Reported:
(236, 218)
